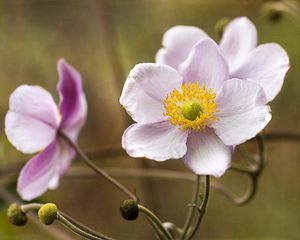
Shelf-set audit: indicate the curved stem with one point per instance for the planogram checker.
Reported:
(156, 221)
(31, 206)
(253, 173)
(202, 208)
(99, 171)
(191, 211)
(78, 230)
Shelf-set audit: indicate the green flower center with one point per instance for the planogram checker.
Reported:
(191, 110)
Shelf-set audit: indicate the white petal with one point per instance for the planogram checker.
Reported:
(237, 128)
(266, 65)
(205, 65)
(207, 154)
(158, 141)
(145, 90)
(239, 38)
(32, 120)
(238, 96)
(177, 43)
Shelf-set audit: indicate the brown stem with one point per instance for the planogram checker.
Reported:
(97, 170)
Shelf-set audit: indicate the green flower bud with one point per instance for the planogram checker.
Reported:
(129, 210)
(272, 12)
(221, 25)
(15, 215)
(47, 213)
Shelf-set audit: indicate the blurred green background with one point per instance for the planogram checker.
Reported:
(104, 40)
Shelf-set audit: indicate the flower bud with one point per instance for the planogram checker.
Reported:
(272, 12)
(221, 25)
(47, 213)
(171, 228)
(129, 210)
(15, 215)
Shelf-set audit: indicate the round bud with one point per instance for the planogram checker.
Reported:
(272, 12)
(129, 210)
(15, 215)
(47, 213)
(221, 25)
(171, 228)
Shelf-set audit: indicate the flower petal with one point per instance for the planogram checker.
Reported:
(205, 65)
(158, 141)
(32, 120)
(145, 90)
(266, 65)
(73, 105)
(207, 154)
(239, 38)
(238, 96)
(42, 172)
(237, 128)
(177, 43)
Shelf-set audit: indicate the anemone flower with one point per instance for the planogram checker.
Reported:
(196, 112)
(265, 64)
(32, 125)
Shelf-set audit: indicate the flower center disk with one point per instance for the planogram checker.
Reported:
(191, 107)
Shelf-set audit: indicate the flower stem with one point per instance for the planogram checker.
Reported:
(99, 171)
(156, 221)
(31, 206)
(202, 208)
(80, 230)
(191, 211)
(83, 227)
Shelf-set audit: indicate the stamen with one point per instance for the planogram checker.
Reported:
(192, 107)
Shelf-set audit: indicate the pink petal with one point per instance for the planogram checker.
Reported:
(266, 65)
(158, 141)
(238, 96)
(239, 38)
(145, 90)
(205, 65)
(32, 120)
(42, 172)
(207, 154)
(177, 43)
(73, 105)
(238, 128)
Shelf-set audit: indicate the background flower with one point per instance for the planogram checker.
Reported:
(32, 125)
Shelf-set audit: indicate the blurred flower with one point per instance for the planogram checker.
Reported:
(265, 64)
(195, 112)
(32, 125)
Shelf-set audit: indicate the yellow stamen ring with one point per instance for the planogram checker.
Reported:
(192, 107)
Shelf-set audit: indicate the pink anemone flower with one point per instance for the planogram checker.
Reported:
(32, 125)
(265, 64)
(196, 112)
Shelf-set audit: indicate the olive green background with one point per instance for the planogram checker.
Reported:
(104, 40)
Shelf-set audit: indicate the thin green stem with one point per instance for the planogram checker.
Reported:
(157, 231)
(99, 171)
(191, 210)
(79, 230)
(202, 208)
(68, 221)
(83, 227)
(156, 221)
